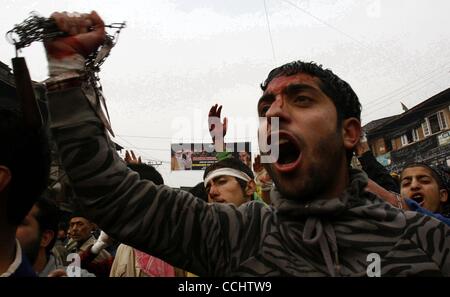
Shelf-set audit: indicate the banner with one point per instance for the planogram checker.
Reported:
(444, 138)
(198, 156)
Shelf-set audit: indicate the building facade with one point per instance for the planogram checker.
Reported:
(420, 134)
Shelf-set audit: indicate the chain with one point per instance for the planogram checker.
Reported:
(38, 28)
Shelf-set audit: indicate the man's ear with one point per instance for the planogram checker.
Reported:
(5, 177)
(250, 188)
(47, 237)
(443, 195)
(351, 132)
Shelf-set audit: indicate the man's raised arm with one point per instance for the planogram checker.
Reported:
(169, 224)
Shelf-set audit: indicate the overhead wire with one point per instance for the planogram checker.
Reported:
(358, 42)
(389, 103)
(270, 32)
(406, 86)
(140, 153)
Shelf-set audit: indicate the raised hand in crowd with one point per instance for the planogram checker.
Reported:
(262, 179)
(86, 32)
(257, 166)
(130, 158)
(217, 128)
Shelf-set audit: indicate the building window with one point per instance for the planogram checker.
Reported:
(415, 134)
(442, 120)
(410, 137)
(426, 128)
(404, 139)
(434, 123)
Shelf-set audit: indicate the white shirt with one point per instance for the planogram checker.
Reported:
(16, 263)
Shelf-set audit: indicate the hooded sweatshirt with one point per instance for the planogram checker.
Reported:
(336, 236)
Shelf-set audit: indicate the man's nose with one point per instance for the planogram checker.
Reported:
(213, 192)
(277, 110)
(415, 184)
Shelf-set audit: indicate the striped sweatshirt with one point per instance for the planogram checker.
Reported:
(349, 235)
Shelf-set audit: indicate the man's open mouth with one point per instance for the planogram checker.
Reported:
(289, 155)
(418, 197)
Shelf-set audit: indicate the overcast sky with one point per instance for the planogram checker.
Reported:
(177, 58)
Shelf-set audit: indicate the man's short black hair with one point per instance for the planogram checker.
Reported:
(26, 154)
(199, 191)
(148, 172)
(340, 92)
(48, 217)
(77, 212)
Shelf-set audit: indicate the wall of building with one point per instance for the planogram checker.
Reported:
(396, 144)
(378, 147)
(447, 114)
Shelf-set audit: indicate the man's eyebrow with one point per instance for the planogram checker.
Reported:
(293, 89)
(266, 97)
(416, 176)
(218, 177)
(290, 90)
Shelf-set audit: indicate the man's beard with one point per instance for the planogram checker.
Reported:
(318, 180)
(31, 250)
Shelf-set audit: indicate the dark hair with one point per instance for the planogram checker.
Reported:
(229, 163)
(62, 225)
(48, 217)
(27, 155)
(199, 191)
(344, 98)
(77, 212)
(147, 172)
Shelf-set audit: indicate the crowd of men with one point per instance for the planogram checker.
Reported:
(305, 213)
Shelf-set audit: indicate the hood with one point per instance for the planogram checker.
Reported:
(319, 215)
(323, 207)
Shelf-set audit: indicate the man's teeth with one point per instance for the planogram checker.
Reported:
(283, 141)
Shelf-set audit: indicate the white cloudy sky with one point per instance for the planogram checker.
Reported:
(176, 58)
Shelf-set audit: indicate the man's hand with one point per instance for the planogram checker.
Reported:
(130, 158)
(102, 242)
(262, 177)
(58, 273)
(86, 32)
(257, 166)
(216, 127)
